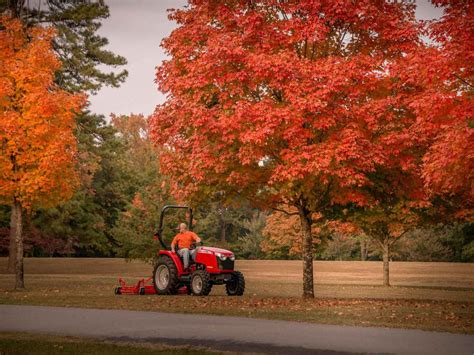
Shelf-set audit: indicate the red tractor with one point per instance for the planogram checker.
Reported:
(212, 266)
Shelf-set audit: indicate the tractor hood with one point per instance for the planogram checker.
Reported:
(214, 250)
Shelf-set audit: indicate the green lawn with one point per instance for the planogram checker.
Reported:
(431, 296)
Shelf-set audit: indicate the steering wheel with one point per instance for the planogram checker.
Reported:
(194, 245)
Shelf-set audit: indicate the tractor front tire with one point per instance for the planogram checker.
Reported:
(201, 284)
(236, 285)
(165, 276)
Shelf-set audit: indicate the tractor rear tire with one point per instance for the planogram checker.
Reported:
(165, 276)
(201, 284)
(118, 290)
(236, 285)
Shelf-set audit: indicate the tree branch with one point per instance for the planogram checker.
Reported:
(464, 81)
(399, 237)
(285, 212)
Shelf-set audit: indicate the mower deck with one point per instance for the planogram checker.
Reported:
(143, 287)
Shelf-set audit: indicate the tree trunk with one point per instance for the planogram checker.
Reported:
(11, 248)
(305, 219)
(223, 232)
(363, 250)
(386, 261)
(17, 234)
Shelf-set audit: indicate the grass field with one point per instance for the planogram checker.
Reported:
(432, 296)
(24, 343)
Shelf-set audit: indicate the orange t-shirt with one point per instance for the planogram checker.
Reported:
(184, 240)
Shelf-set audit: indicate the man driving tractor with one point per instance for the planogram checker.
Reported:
(184, 241)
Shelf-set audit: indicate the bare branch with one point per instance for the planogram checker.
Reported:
(285, 212)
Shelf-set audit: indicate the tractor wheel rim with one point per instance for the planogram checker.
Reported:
(197, 284)
(233, 286)
(162, 278)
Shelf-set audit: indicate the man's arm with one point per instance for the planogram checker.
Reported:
(196, 238)
(173, 243)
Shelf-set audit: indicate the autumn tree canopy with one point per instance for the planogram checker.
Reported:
(431, 104)
(88, 217)
(284, 102)
(441, 76)
(38, 147)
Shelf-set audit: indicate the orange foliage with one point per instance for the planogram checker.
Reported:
(382, 222)
(284, 231)
(38, 147)
(134, 130)
(345, 228)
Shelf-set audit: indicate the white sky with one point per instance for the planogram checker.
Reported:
(135, 30)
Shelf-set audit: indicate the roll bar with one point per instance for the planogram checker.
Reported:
(159, 232)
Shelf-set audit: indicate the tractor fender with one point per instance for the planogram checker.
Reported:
(174, 257)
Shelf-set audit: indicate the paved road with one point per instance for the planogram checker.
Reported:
(229, 333)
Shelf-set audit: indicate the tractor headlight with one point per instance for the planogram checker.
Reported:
(232, 257)
(221, 256)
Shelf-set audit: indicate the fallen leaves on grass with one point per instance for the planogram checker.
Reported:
(433, 315)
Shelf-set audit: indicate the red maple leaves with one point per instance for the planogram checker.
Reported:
(298, 95)
(278, 95)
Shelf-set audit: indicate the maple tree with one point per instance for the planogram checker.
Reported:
(449, 164)
(90, 214)
(286, 103)
(440, 96)
(433, 106)
(38, 146)
(438, 171)
(385, 225)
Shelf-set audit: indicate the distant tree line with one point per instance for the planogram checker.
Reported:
(119, 213)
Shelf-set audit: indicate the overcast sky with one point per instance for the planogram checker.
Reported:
(135, 30)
